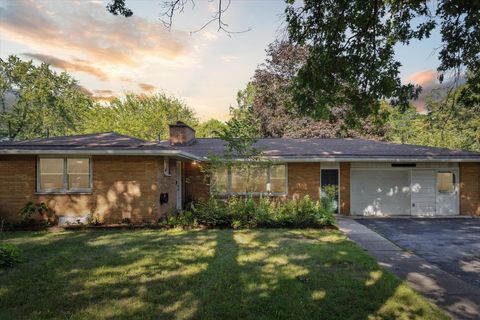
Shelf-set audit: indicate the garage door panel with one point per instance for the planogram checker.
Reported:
(380, 192)
(423, 192)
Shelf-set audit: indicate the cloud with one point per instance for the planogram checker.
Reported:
(229, 58)
(87, 29)
(428, 79)
(105, 98)
(147, 87)
(75, 65)
(100, 95)
(209, 35)
(423, 78)
(104, 92)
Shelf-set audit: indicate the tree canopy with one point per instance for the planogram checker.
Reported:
(141, 116)
(352, 58)
(270, 98)
(38, 102)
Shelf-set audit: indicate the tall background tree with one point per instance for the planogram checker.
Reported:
(269, 96)
(38, 102)
(141, 116)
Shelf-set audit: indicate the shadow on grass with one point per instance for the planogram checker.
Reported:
(210, 274)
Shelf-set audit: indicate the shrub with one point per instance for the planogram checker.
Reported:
(247, 212)
(9, 255)
(31, 209)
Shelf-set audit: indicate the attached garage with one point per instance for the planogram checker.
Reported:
(386, 189)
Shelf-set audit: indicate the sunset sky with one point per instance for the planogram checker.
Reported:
(111, 55)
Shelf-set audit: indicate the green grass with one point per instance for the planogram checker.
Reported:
(203, 274)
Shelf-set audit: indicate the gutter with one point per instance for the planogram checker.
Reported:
(181, 154)
(365, 159)
(191, 156)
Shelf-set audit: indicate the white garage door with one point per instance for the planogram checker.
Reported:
(380, 192)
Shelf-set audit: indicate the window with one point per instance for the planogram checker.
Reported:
(252, 180)
(51, 174)
(220, 180)
(278, 179)
(61, 175)
(445, 182)
(166, 167)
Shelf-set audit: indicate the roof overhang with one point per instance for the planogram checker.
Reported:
(366, 159)
(190, 156)
(171, 153)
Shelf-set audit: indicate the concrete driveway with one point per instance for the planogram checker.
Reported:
(451, 244)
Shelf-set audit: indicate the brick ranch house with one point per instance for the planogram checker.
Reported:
(116, 176)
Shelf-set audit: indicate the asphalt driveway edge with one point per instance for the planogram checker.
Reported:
(455, 296)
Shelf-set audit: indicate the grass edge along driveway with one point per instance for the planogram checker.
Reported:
(202, 274)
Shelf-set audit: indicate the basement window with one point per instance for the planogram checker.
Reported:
(64, 175)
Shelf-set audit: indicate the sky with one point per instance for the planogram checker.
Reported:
(111, 55)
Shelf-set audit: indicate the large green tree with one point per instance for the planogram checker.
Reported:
(38, 102)
(270, 98)
(141, 116)
(352, 58)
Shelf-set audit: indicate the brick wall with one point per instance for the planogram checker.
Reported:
(304, 179)
(345, 188)
(167, 184)
(123, 187)
(470, 188)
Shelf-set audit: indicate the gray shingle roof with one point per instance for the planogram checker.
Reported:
(331, 148)
(105, 140)
(273, 147)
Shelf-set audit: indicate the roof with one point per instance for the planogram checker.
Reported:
(347, 148)
(97, 143)
(85, 141)
(285, 149)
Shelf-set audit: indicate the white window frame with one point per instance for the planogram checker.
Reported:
(268, 185)
(65, 189)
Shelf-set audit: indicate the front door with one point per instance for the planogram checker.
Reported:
(447, 194)
(329, 177)
(179, 185)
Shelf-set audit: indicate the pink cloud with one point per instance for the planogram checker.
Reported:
(89, 30)
(75, 65)
(423, 78)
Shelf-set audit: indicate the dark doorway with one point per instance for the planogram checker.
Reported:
(329, 177)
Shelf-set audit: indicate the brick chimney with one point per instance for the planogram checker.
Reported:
(181, 134)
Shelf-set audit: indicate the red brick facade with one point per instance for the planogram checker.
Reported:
(470, 188)
(130, 187)
(123, 187)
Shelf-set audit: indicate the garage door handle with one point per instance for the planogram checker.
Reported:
(413, 204)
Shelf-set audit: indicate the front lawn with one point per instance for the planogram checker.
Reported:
(201, 274)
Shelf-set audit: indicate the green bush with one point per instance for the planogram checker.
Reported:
(9, 255)
(237, 212)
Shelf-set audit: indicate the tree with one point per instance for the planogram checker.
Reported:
(210, 129)
(449, 123)
(240, 135)
(141, 116)
(269, 97)
(38, 102)
(352, 57)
